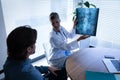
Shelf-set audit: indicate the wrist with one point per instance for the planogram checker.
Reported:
(78, 40)
(74, 26)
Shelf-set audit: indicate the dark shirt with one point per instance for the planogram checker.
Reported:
(23, 70)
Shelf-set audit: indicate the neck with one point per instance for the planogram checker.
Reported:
(56, 30)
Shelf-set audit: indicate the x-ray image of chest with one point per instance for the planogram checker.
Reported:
(87, 21)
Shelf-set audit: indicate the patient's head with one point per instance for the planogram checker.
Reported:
(21, 42)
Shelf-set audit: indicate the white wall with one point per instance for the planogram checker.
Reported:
(36, 13)
(28, 12)
(3, 51)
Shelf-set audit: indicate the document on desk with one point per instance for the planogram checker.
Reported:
(90, 75)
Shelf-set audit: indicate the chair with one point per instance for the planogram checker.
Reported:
(1, 74)
(47, 50)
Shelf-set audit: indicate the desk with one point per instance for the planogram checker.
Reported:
(88, 59)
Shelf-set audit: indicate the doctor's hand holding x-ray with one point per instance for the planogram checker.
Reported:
(58, 40)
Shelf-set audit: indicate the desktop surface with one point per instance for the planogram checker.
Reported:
(88, 59)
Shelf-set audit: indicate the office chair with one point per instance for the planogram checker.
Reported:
(1, 72)
(47, 50)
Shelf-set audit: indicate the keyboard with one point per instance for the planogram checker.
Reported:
(116, 64)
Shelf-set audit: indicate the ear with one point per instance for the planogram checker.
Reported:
(29, 49)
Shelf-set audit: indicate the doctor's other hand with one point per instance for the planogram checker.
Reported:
(83, 37)
(53, 70)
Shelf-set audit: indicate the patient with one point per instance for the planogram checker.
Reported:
(20, 45)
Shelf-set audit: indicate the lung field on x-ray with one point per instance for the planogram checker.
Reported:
(87, 21)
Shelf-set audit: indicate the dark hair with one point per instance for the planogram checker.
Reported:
(19, 40)
(54, 15)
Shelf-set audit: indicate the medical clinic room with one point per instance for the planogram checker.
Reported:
(59, 39)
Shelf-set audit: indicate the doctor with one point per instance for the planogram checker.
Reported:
(58, 40)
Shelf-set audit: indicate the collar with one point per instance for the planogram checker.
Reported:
(58, 31)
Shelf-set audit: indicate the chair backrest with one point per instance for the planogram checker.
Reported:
(47, 50)
(1, 74)
(1, 71)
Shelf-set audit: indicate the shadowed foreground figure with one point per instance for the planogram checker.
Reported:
(20, 45)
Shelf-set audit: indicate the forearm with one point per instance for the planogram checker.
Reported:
(42, 69)
(70, 46)
(72, 33)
